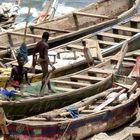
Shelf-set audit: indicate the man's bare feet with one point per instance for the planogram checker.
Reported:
(51, 91)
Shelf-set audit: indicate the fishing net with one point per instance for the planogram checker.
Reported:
(34, 88)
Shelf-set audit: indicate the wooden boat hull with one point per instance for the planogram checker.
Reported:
(66, 23)
(41, 104)
(76, 128)
(111, 49)
(94, 85)
(79, 128)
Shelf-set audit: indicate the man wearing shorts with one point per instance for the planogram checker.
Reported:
(42, 48)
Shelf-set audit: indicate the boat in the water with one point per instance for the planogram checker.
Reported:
(99, 113)
(72, 26)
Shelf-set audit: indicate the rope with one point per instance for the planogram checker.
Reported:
(65, 130)
(30, 4)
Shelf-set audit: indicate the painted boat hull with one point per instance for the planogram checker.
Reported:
(78, 128)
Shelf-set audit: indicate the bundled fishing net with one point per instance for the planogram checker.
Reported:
(23, 52)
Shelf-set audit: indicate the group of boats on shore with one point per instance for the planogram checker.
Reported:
(91, 95)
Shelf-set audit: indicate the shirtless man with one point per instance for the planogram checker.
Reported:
(42, 48)
(17, 74)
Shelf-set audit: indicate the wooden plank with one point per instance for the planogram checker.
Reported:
(135, 19)
(94, 47)
(122, 54)
(76, 21)
(87, 111)
(91, 15)
(135, 131)
(50, 29)
(136, 69)
(70, 83)
(129, 59)
(107, 42)
(73, 46)
(114, 35)
(22, 34)
(86, 78)
(128, 64)
(63, 89)
(102, 71)
(108, 101)
(133, 53)
(126, 29)
(123, 85)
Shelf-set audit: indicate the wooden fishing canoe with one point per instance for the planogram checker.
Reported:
(69, 58)
(99, 113)
(64, 29)
(69, 89)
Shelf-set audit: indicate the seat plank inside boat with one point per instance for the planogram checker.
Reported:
(126, 29)
(114, 35)
(75, 84)
(87, 78)
(91, 15)
(73, 46)
(63, 89)
(107, 42)
(98, 70)
(135, 19)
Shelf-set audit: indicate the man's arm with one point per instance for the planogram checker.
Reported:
(34, 57)
(26, 77)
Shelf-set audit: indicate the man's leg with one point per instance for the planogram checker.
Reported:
(44, 71)
(50, 88)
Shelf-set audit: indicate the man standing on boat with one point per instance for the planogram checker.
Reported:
(42, 48)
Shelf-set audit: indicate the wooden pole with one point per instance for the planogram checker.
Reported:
(122, 54)
(27, 20)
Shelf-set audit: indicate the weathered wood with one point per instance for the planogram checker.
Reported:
(135, 19)
(22, 34)
(133, 87)
(122, 54)
(70, 83)
(94, 44)
(64, 89)
(136, 69)
(73, 46)
(107, 102)
(107, 42)
(129, 59)
(91, 15)
(50, 29)
(81, 105)
(86, 78)
(102, 71)
(114, 35)
(76, 21)
(123, 28)
(123, 85)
